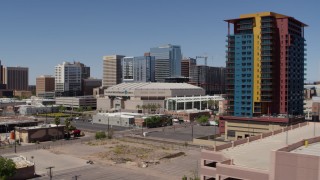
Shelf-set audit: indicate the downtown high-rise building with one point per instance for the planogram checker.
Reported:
(186, 64)
(68, 77)
(167, 61)
(138, 69)
(44, 85)
(127, 69)
(16, 78)
(211, 79)
(112, 70)
(265, 65)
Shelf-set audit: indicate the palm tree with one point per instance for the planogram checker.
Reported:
(153, 108)
(138, 107)
(144, 107)
(89, 108)
(213, 103)
(149, 108)
(67, 122)
(159, 107)
(57, 123)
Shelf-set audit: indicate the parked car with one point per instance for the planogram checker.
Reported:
(76, 133)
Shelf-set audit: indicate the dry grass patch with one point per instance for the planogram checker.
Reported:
(101, 142)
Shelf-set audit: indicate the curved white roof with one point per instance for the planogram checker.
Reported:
(133, 86)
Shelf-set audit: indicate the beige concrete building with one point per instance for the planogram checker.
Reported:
(288, 153)
(112, 72)
(242, 127)
(188, 115)
(78, 101)
(132, 96)
(25, 169)
(44, 84)
(22, 93)
(39, 133)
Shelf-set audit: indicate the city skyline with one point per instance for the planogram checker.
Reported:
(41, 34)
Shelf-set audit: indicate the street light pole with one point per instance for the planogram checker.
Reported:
(287, 132)
(108, 128)
(192, 131)
(15, 141)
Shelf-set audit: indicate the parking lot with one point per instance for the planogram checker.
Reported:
(182, 133)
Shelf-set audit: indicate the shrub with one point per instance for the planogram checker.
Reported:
(110, 134)
(100, 135)
(7, 168)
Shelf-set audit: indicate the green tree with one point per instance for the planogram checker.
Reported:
(7, 168)
(153, 121)
(153, 108)
(138, 107)
(144, 107)
(211, 104)
(67, 123)
(89, 108)
(67, 127)
(149, 108)
(203, 119)
(57, 123)
(159, 107)
(62, 108)
(80, 109)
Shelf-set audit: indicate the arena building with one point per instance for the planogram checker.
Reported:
(133, 96)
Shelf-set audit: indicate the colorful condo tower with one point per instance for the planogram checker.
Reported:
(265, 65)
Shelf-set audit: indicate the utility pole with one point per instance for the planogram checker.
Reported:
(50, 171)
(46, 115)
(15, 141)
(108, 128)
(192, 131)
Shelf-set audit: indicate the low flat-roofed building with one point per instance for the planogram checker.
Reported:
(241, 127)
(7, 125)
(130, 96)
(116, 119)
(25, 168)
(40, 101)
(287, 153)
(23, 93)
(37, 109)
(5, 102)
(77, 101)
(45, 132)
(188, 115)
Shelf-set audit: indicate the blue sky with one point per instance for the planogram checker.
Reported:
(40, 34)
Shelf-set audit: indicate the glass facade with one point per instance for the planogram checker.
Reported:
(138, 69)
(167, 61)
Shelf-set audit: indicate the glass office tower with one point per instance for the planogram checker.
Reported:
(168, 61)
